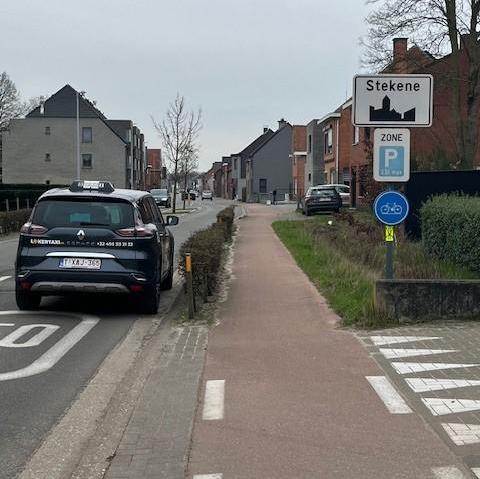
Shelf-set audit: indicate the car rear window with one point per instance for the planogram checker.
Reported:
(158, 192)
(325, 192)
(59, 213)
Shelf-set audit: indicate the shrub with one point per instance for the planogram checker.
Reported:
(12, 221)
(451, 227)
(206, 248)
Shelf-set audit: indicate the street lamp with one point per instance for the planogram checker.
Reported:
(82, 93)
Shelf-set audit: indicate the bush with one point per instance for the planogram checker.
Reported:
(12, 221)
(451, 227)
(206, 248)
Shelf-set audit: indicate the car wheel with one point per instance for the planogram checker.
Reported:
(308, 212)
(150, 299)
(27, 301)
(167, 283)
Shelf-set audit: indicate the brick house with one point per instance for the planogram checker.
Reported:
(42, 147)
(154, 177)
(299, 157)
(314, 167)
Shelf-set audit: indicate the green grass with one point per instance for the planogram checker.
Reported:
(347, 286)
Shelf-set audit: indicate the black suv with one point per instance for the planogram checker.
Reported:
(93, 238)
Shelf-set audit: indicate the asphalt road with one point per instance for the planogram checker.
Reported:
(61, 347)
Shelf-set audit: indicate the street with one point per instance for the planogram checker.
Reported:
(59, 349)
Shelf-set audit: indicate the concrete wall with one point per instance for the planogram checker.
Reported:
(314, 166)
(26, 144)
(415, 300)
(273, 163)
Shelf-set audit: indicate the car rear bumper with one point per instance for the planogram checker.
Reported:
(57, 288)
(323, 206)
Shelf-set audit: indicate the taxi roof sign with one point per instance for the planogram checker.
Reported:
(82, 185)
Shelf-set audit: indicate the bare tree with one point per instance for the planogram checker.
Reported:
(179, 134)
(436, 26)
(10, 104)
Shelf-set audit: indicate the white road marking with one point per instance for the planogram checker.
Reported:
(55, 353)
(383, 340)
(476, 471)
(9, 341)
(213, 408)
(208, 476)
(441, 407)
(7, 324)
(449, 472)
(421, 385)
(463, 434)
(389, 395)
(408, 368)
(4, 278)
(407, 353)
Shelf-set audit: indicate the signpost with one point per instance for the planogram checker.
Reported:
(391, 155)
(392, 103)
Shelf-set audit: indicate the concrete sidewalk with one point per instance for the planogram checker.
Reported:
(287, 390)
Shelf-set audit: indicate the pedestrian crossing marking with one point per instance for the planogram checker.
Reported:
(406, 353)
(463, 434)
(442, 407)
(384, 340)
(409, 368)
(421, 385)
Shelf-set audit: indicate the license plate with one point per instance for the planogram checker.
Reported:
(325, 199)
(81, 263)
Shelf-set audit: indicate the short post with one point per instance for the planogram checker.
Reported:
(390, 242)
(28, 203)
(7, 205)
(18, 203)
(188, 270)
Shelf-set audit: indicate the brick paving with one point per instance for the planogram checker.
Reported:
(443, 386)
(156, 440)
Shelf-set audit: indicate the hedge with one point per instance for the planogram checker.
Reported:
(12, 221)
(206, 248)
(451, 229)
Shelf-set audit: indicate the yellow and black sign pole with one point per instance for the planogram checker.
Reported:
(191, 300)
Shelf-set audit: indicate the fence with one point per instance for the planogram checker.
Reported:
(16, 204)
(424, 184)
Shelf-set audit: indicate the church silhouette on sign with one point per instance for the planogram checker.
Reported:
(387, 114)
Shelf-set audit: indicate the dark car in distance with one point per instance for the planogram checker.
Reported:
(321, 198)
(162, 197)
(93, 238)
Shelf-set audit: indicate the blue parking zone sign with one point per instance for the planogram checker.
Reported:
(391, 155)
(392, 161)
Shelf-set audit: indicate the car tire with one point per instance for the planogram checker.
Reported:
(150, 299)
(167, 283)
(27, 301)
(308, 212)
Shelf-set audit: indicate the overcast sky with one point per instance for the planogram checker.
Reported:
(246, 63)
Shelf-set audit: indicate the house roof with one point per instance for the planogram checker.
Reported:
(416, 58)
(63, 104)
(255, 144)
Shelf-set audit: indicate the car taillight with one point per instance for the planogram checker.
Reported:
(34, 230)
(139, 232)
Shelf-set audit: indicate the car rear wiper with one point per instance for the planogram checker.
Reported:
(85, 223)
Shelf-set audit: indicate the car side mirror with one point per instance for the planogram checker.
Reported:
(172, 220)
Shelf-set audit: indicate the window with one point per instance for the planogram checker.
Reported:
(356, 135)
(87, 160)
(328, 139)
(262, 185)
(47, 157)
(87, 134)
(47, 130)
(309, 143)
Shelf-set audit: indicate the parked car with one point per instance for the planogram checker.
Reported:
(321, 198)
(207, 195)
(93, 238)
(162, 197)
(343, 191)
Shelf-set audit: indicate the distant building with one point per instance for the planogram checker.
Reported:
(269, 167)
(154, 178)
(298, 157)
(42, 147)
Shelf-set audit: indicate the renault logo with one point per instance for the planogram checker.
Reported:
(81, 235)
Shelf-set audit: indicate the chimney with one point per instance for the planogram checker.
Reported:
(400, 46)
(281, 123)
(265, 129)
(42, 105)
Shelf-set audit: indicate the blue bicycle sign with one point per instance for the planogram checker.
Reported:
(391, 207)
